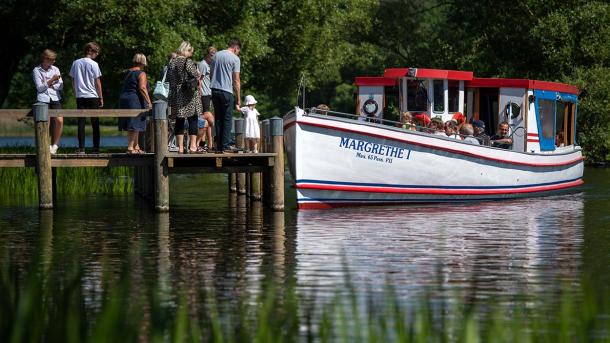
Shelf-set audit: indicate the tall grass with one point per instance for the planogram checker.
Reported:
(72, 181)
(48, 304)
(22, 182)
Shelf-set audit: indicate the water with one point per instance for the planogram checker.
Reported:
(486, 250)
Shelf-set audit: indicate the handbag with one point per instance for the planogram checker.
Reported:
(190, 83)
(161, 91)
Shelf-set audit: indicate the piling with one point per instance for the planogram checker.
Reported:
(239, 143)
(160, 166)
(256, 178)
(276, 174)
(265, 146)
(43, 155)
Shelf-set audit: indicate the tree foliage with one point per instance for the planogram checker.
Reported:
(328, 41)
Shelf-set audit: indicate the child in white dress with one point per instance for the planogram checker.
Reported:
(251, 128)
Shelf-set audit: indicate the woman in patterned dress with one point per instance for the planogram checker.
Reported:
(184, 100)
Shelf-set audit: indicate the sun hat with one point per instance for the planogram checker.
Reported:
(250, 100)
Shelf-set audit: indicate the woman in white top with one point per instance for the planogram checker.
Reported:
(251, 129)
(49, 84)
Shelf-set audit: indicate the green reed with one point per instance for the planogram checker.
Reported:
(22, 182)
(48, 304)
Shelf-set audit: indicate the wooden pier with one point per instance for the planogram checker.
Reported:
(152, 169)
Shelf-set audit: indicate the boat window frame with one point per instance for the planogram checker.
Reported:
(548, 143)
(457, 96)
(425, 84)
(443, 96)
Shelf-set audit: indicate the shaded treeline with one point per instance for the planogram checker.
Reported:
(329, 41)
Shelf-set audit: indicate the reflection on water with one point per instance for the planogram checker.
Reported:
(505, 247)
(214, 241)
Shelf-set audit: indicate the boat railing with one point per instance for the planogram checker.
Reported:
(518, 131)
(371, 120)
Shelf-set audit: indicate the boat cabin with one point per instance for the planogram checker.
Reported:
(541, 114)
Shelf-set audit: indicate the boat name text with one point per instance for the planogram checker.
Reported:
(378, 152)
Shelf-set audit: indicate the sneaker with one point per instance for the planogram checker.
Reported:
(95, 151)
(53, 148)
(80, 151)
(172, 148)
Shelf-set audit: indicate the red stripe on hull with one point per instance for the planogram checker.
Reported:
(439, 191)
(574, 161)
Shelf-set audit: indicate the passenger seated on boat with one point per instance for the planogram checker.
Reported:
(467, 132)
(501, 139)
(451, 129)
(407, 121)
(322, 109)
(459, 119)
(479, 132)
(421, 121)
(436, 126)
(559, 139)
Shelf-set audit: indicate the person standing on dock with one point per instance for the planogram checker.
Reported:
(49, 84)
(206, 94)
(87, 84)
(225, 85)
(134, 95)
(184, 98)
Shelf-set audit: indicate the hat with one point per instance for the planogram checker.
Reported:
(421, 117)
(478, 123)
(438, 120)
(458, 117)
(250, 100)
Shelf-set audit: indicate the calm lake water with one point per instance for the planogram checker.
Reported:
(486, 250)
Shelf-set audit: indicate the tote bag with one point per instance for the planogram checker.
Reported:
(161, 88)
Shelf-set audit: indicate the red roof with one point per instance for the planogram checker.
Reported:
(523, 83)
(429, 73)
(374, 81)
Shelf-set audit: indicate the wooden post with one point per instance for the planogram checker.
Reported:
(239, 142)
(264, 138)
(255, 178)
(43, 156)
(160, 167)
(232, 182)
(276, 175)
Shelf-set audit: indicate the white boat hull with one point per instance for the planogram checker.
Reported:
(339, 162)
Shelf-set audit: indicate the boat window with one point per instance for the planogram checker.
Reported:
(564, 124)
(417, 95)
(454, 95)
(439, 95)
(546, 109)
(560, 118)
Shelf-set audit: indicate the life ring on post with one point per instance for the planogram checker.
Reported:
(370, 107)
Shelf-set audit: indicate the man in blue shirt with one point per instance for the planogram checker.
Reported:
(225, 85)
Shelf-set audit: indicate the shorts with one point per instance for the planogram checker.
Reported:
(201, 123)
(54, 105)
(206, 101)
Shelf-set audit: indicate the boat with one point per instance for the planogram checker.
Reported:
(368, 158)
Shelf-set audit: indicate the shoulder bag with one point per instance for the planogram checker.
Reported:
(190, 83)
(161, 91)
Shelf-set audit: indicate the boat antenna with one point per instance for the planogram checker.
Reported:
(301, 86)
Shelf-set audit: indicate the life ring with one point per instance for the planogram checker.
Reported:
(370, 107)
